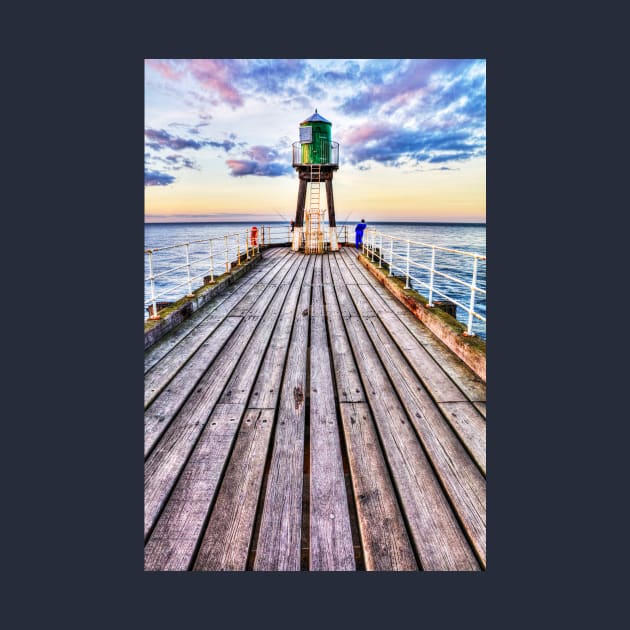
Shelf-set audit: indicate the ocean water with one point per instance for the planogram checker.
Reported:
(465, 237)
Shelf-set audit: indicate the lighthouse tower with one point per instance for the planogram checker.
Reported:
(315, 158)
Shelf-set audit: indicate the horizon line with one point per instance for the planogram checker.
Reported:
(442, 221)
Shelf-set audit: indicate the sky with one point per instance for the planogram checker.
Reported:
(411, 134)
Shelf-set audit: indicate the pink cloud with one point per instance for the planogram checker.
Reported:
(365, 133)
(262, 154)
(216, 74)
(165, 68)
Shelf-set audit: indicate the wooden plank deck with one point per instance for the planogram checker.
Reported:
(305, 420)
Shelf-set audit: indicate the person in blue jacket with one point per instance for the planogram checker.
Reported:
(358, 231)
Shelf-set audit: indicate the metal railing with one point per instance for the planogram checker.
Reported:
(224, 251)
(373, 248)
(280, 235)
(333, 155)
(174, 271)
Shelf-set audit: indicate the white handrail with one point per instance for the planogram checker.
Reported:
(371, 250)
(231, 242)
(227, 246)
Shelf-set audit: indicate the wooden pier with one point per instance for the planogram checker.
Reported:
(303, 419)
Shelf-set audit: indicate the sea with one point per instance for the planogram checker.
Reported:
(465, 237)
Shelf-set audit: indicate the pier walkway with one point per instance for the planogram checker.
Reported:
(303, 419)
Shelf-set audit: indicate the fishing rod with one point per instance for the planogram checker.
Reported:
(347, 217)
(283, 217)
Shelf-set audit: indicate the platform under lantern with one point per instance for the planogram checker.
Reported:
(315, 158)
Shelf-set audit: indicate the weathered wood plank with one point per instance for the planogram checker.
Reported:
(174, 539)
(470, 426)
(162, 347)
(266, 390)
(317, 301)
(384, 304)
(234, 399)
(160, 375)
(278, 547)
(384, 539)
(439, 387)
(385, 296)
(164, 463)
(330, 535)
(438, 539)
(436, 380)
(215, 471)
(163, 409)
(346, 307)
(161, 412)
(225, 544)
(327, 281)
(481, 408)
(349, 387)
(239, 304)
(240, 386)
(461, 478)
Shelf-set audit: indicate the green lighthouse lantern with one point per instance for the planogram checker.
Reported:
(316, 139)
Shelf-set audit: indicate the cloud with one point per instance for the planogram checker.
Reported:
(230, 81)
(273, 76)
(407, 112)
(194, 129)
(262, 153)
(178, 162)
(214, 75)
(348, 73)
(392, 145)
(240, 168)
(160, 139)
(168, 68)
(435, 83)
(155, 178)
(217, 75)
(265, 161)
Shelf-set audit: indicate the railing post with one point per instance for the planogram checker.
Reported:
(246, 244)
(469, 332)
(407, 278)
(227, 262)
(380, 252)
(391, 256)
(190, 293)
(432, 275)
(238, 249)
(155, 314)
(211, 263)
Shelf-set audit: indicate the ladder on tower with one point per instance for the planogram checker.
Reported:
(314, 241)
